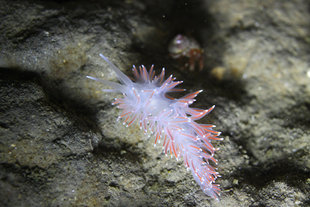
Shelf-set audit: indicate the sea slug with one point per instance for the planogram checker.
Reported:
(187, 50)
(168, 119)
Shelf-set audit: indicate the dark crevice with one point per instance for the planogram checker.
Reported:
(284, 170)
(16, 74)
(82, 114)
(228, 89)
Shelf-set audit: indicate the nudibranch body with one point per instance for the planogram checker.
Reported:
(170, 120)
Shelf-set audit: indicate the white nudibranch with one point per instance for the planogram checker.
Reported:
(168, 119)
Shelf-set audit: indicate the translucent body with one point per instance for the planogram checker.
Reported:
(170, 120)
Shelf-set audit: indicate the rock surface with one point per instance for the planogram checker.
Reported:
(60, 143)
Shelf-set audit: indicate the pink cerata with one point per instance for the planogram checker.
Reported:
(170, 120)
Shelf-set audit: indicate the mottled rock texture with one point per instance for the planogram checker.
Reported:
(60, 143)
